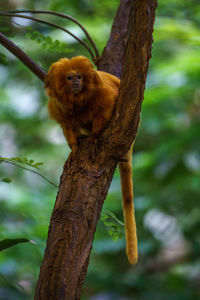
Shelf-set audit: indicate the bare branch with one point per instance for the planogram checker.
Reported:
(62, 15)
(21, 55)
(52, 25)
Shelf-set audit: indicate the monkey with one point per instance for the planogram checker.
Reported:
(82, 101)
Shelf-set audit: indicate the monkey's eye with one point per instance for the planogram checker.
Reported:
(69, 77)
(79, 76)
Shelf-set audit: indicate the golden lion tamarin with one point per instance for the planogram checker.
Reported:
(81, 100)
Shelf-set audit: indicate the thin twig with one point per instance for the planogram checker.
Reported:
(33, 171)
(49, 24)
(62, 15)
(21, 55)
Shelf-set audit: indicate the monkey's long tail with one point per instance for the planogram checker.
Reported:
(125, 169)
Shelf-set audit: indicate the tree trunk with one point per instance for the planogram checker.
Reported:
(84, 184)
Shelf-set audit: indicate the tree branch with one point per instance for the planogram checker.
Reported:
(52, 25)
(62, 16)
(84, 184)
(21, 55)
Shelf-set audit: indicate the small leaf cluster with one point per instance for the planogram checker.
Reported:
(24, 160)
(114, 225)
(6, 179)
(47, 42)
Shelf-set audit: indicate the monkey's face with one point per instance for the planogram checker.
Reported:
(72, 79)
(74, 82)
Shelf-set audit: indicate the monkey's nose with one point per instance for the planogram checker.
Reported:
(76, 84)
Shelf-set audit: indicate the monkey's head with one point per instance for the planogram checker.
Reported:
(73, 78)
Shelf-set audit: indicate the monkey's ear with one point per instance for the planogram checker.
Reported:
(49, 78)
(96, 78)
(49, 84)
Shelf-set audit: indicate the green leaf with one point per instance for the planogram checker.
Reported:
(38, 164)
(7, 243)
(24, 160)
(47, 42)
(6, 179)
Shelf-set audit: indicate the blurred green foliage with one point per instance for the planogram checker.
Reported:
(166, 158)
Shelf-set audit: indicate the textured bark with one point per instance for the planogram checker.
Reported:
(77, 209)
(112, 57)
(84, 184)
(123, 128)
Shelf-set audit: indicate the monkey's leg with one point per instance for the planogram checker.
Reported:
(125, 169)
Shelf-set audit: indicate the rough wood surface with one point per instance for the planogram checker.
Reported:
(112, 57)
(84, 184)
